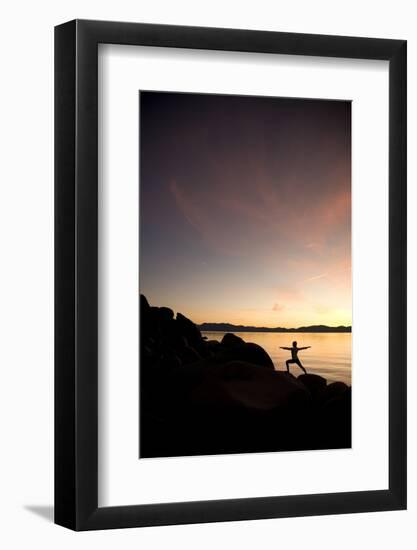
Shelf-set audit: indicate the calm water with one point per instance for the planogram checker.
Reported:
(329, 356)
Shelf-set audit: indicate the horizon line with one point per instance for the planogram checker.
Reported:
(275, 327)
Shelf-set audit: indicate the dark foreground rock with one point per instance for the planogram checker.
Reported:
(231, 340)
(204, 397)
(246, 352)
(315, 383)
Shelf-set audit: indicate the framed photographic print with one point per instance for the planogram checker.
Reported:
(230, 275)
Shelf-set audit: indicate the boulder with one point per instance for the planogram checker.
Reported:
(243, 385)
(335, 420)
(166, 314)
(188, 329)
(315, 383)
(188, 355)
(230, 339)
(144, 304)
(146, 325)
(339, 406)
(335, 389)
(168, 362)
(248, 353)
(213, 346)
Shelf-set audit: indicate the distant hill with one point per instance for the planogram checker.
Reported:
(227, 327)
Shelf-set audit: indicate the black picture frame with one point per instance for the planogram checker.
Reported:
(76, 272)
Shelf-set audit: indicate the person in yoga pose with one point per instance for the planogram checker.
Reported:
(294, 356)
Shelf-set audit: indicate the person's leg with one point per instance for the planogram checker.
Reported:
(301, 366)
(288, 365)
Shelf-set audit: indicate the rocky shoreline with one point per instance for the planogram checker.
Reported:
(201, 396)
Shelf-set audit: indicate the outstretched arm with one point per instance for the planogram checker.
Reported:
(289, 349)
(307, 347)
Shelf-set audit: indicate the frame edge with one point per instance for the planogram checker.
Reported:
(398, 274)
(65, 258)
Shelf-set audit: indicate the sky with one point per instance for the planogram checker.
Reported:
(245, 208)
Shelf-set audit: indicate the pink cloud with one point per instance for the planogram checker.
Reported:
(264, 219)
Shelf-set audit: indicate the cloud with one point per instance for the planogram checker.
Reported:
(239, 216)
(317, 247)
(316, 277)
(231, 222)
(278, 307)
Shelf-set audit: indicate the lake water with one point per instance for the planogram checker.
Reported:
(329, 356)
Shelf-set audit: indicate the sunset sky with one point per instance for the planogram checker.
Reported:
(245, 208)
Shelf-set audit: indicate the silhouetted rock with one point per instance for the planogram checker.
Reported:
(188, 355)
(166, 313)
(230, 339)
(335, 419)
(247, 352)
(335, 389)
(213, 346)
(144, 304)
(240, 384)
(188, 329)
(206, 397)
(315, 383)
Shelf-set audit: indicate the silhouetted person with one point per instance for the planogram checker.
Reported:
(294, 356)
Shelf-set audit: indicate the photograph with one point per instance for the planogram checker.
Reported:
(244, 274)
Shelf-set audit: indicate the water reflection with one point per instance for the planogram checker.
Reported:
(330, 355)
